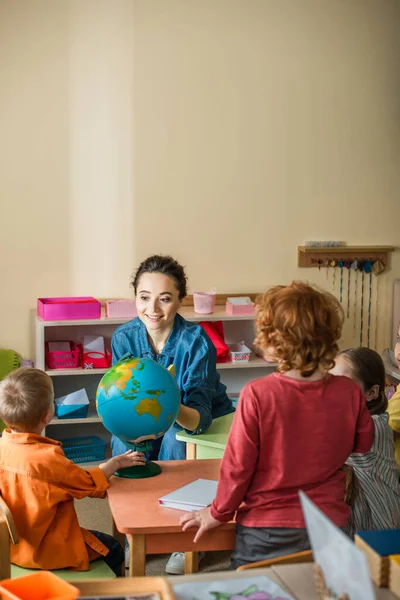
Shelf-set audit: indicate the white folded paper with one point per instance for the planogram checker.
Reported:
(78, 397)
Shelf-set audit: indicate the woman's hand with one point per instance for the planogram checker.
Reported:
(188, 418)
(201, 519)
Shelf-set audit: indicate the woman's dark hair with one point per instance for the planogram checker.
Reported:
(367, 367)
(166, 265)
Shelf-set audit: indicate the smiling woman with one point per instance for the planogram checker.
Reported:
(161, 334)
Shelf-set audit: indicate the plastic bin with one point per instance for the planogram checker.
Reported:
(96, 360)
(84, 449)
(204, 302)
(72, 411)
(239, 352)
(121, 309)
(68, 308)
(64, 359)
(42, 585)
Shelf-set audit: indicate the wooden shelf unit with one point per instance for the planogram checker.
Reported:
(234, 374)
(308, 256)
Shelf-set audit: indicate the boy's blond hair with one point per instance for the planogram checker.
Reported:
(26, 395)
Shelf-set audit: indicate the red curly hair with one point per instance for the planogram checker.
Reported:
(300, 326)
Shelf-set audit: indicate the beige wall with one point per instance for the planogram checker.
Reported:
(225, 132)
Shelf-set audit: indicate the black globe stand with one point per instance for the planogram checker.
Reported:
(149, 469)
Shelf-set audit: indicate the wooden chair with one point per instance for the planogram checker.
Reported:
(8, 533)
(287, 559)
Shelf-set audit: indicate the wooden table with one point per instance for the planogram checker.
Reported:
(210, 444)
(153, 529)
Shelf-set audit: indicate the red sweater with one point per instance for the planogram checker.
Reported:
(290, 435)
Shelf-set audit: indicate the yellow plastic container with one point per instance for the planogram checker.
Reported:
(42, 585)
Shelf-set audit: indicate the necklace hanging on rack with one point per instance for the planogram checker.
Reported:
(326, 263)
(333, 265)
(341, 265)
(368, 269)
(377, 269)
(348, 266)
(361, 265)
(354, 266)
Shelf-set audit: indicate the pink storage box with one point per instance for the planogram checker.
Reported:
(239, 306)
(121, 308)
(68, 308)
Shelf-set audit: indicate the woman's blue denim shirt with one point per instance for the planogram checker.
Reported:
(193, 355)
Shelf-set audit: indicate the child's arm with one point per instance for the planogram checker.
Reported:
(365, 429)
(237, 469)
(82, 483)
(394, 412)
(128, 459)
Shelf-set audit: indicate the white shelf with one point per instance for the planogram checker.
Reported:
(59, 372)
(91, 418)
(186, 311)
(253, 363)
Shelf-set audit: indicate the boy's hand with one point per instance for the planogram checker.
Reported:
(201, 519)
(128, 459)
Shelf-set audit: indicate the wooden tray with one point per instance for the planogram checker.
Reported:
(101, 588)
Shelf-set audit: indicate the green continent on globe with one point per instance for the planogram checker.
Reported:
(149, 406)
(120, 375)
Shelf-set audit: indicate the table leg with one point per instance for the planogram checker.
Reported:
(190, 451)
(191, 562)
(137, 562)
(121, 538)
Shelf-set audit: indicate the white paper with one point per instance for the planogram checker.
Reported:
(59, 346)
(344, 566)
(181, 506)
(194, 496)
(225, 589)
(93, 343)
(78, 397)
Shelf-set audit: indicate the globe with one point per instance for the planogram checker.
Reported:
(138, 401)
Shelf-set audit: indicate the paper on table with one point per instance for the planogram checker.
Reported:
(194, 496)
(78, 397)
(93, 343)
(59, 346)
(260, 588)
(344, 566)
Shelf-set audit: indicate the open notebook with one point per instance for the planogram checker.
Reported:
(194, 496)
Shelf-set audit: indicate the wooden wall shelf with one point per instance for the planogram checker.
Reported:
(309, 257)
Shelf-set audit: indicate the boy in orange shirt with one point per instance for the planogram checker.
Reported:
(39, 484)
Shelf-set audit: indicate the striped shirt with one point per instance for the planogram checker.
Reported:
(376, 502)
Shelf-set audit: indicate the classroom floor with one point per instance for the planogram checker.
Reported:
(94, 513)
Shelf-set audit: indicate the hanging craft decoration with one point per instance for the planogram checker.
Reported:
(361, 268)
(326, 263)
(333, 265)
(377, 268)
(348, 266)
(354, 266)
(341, 265)
(368, 270)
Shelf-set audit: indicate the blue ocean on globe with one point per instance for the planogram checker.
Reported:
(138, 400)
